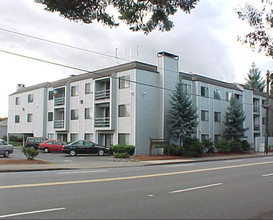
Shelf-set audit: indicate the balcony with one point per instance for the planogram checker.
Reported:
(257, 127)
(58, 123)
(59, 101)
(102, 94)
(102, 122)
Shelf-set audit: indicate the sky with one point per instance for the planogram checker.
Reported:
(205, 41)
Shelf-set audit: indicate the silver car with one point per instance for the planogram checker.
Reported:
(5, 149)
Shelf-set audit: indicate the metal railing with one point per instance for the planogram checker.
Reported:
(59, 101)
(257, 127)
(58, 123)
(102, 122)
(102, 94)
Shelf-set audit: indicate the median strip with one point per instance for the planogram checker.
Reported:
(131, 177)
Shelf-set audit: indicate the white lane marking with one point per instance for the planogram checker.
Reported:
(67, 160)
(269, 174)
(231, 161)
(31, 212)
(86, 171)
(195, 188)
(150, 195)
(180, 165)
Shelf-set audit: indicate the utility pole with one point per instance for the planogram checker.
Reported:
(266, 114)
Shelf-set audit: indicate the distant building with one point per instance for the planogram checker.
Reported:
(128, 104)
(3, 129)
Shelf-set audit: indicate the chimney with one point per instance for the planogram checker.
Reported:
(19, 86)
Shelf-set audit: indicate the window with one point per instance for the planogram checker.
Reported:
(187, 89)
(29, 117)
(263, 121)
(87, 113)
(50, 95)
(50, 136)
(17, 118)
(87, 88)
(204, 115)
(30, 98)
(73, 137)
(124, 82)
(88, 137)
(228, 96)
(123, 138)
(217, 94)
(50, 116)
(204, 137)
(74, 114)
(204, 91)
(217, 116)
(74, 90)
(17, 101)
(122, 111)
(217, 138)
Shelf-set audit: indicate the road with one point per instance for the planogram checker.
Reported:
(231, 189)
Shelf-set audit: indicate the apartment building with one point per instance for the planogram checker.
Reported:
(127, 103)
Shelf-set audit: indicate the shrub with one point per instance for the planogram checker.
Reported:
(123, 148)
(122, 155)
(235, 146)
(208, 146)
(176, 150)
(193, 148)
(30, 152)
(223, 146)
(245, 145)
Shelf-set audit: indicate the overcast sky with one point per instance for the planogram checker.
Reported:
(205, 41)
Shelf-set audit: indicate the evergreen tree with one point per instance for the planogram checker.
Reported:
(235, 118)
(182, 115)
(254, 79)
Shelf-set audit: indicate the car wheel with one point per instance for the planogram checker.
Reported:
(72, 153)
(46, 150)
(101, 152)
(6, 154)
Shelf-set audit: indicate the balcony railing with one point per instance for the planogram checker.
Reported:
(59, 124)
(59, 101)
(256, 127)
(102, 122)
(102, 94)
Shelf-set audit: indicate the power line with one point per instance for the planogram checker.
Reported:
(103, 75)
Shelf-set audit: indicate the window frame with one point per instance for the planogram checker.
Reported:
(217, 116)
(124, 82)
(204, 115)
(74, 114)
(124, 111)
(204, 91)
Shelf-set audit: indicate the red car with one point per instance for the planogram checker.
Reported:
(51, 145)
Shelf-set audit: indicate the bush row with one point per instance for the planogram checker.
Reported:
(195, 148)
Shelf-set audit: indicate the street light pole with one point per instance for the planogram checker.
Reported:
(266, 114)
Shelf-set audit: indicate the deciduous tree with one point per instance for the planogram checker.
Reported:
(145, 15)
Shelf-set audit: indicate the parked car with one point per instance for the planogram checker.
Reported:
(5, 149)
(51, 145)
(34, 142)
(85, 147)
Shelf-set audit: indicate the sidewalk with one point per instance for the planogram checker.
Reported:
(107, 163)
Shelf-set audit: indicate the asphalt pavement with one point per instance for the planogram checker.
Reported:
(60, 161)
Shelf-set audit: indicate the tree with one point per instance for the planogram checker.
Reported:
(254, 79)
(182, 115)
(260, 20)
(235, 118)
(145, 15)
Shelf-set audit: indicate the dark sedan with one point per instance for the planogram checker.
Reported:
(85, 147)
